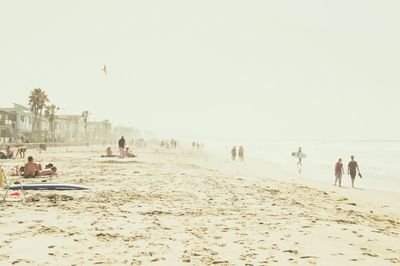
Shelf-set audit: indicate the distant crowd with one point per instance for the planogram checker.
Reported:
(169, 144)
(237, 153)
(197, 145)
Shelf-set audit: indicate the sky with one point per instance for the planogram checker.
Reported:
(249, 70)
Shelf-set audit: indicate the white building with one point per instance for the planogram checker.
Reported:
(70, 128)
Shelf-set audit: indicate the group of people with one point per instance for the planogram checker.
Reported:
(9, 152)
(123, 150)
(197, 145)
(237, 153)
(352, 170)
(32, 169)
(127, 153)
(169, 144)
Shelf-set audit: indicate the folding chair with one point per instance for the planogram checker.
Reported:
(5, 183)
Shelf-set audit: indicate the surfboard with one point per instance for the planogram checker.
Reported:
(48, 187)
(295, 154)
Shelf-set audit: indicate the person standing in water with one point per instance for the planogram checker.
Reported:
(233, 153)
(241, 153)
(339, 170)
(352, 170)
(299, 156)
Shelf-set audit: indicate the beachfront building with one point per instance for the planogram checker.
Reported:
(130, 133)
(21, 119)
(63, 128)
(7, 126)
(70, 128)
(16, 125)
(24, 120)
(99, 132)
(44, 129)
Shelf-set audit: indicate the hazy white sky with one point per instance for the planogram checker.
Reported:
(243, 69)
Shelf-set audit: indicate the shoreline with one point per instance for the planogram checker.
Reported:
(258, 168)
(313, 173)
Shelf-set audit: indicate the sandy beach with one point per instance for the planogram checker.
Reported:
(184, 207)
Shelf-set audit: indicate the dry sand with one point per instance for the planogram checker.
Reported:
(173, 207)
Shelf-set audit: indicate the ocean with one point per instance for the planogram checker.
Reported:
(379, 161)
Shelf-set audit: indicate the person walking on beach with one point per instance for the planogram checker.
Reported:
(233, 153)
(339, 170)
(352, 170)
(241, 153)
(121, 144)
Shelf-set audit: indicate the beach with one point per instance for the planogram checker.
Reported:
(193, 207)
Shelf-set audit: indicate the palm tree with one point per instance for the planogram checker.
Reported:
(85, 115)
(50, 113)
(37, 101)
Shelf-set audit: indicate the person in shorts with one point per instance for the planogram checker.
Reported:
(121, 144)
(352, 170)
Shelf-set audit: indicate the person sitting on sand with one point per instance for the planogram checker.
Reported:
(49, 166)
(18, 171)
(49, 172)
(109, 152)
(339, 172)
(32, 169)
(9, 152)
(3, 155)
(128, 153)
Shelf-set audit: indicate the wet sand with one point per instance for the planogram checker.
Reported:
(184, 207)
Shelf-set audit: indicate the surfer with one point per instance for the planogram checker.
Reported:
(299, 156)
(339, 172)
(233, 153)
(352, 170)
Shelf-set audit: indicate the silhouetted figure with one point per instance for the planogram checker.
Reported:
(241, 153)
(339, 172)
(233, 153)
(121, 145)
(352, 170)
(300, 157)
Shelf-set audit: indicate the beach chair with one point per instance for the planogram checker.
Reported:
(6, 182)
